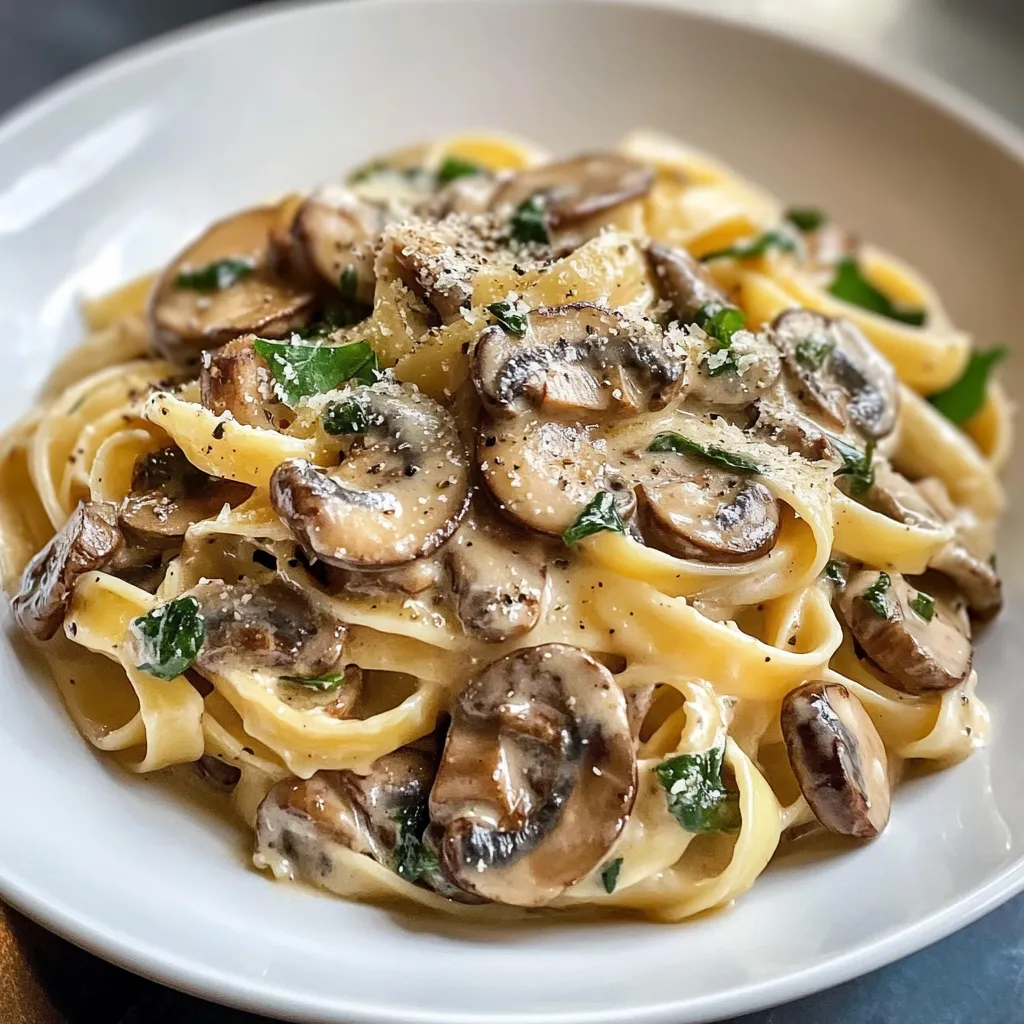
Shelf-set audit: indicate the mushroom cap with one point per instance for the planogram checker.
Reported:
(88, 541)
(538, 776)
(683, 281)
(235, 378)
(184, 321)
(838, 759)
(578, 358)
(399, 493)
(839, 374)
(917, 655)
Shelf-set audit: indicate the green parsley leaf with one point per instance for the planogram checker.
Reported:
(351, 416)
(600, 514)
(509, 318)
(301, 370)
(325, 683)
(170, 637)
(924, 605)
(348, 283)
(412, 859)
(610, 875)
(859, 467)
(724, 362)
(670, 441)
(755, 247)
(215, 276)
(834, 572)
(455, 167)
(877, 598)
(720, 322)
(529, 221)
(812, 351)
(852, 286)
(697, 797)
(805, 218)
(962, 399)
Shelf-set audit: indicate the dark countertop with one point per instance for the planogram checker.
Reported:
(976, 975)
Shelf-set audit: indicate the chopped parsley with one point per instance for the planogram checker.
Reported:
(610, 875)
(453, 167)
(834, 572)
(852, 286)
(805, 218)
(719, 361)
(670, 441)
(325, 683)
(509, 317)
(924, 605)
(877, 596)
(169, 637)
(348, 283)
(215, 276)
(412, 858)
(720, 322)
(754, 248)
(350, 416)
(601, 513)
(857, 465)
(812, 351)
(529, 222)
(697, 796)
(965, 397)
(301, 370)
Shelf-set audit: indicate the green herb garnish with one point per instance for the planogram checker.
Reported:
(755, 247)
(170, 637)
(857, 465)
(670, 441)
(724, 362)
(610, 875)
(348, 283)
(301, 370)
(965, 397)
(600, 514)
(834, 571)
(529, 222)
(509, 318)
(215, 276)
(812, 351)
(924, 605)
(877, 598)
(720, 322)
(454, 167)
(697, 797)
(852, 286)
(350, 416)
(325, 683)
(805, 218)
(413, 859)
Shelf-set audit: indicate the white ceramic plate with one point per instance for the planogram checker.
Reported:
(110, 173)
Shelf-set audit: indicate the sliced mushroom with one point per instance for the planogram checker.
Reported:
(538, 776)
(577, 359)
(838, 759)
(577, 189)
(683, 282)
(690, 509)
(412, 578)
(185, 320)
(918, 655)
(498, 582)
(400, 491)
(837, 372)
(88, 541)
(218, 773)
(469, 195)
(542, 474)
(169, 495)
(301, 822)
(778, 421)
(236, 379)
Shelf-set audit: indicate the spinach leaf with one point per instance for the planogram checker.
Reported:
(610, 875)
(924, 605)
(600, 514)
(325, 683)
(857, 466)
(529, 221)
(877, 596)
(509, 317)
(348, 283)
(455, 167)
(852, 286)
(215, 276)
(670, 441)
(350, 416)
(755, 247)
(719, 361)
(301, 370)
(412, 859)
(696, 795)
(170, 637)
(720, 322)
(834, 572)
(812, 351)
(963, 398)
(805, 218)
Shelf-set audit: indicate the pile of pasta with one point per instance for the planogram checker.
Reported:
(722, 644)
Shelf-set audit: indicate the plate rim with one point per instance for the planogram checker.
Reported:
(198, 979)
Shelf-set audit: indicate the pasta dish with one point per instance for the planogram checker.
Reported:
(493, 531)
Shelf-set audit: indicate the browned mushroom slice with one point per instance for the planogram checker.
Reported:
(469, 195)
(575, 190)
(576, 359)
(399, 493)
(169, 495)
(412, 578)
(838, 373)
(838, 759)
(237, 379)
(88, 541)
(541, 474)
(921, 650)
(683, 282)
(222, 286)
(538, 776)
(782, 423)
